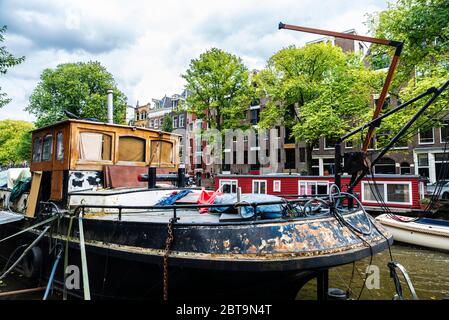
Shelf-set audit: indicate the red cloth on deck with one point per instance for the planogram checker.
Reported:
(207, 197)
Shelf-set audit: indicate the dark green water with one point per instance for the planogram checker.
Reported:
(428, 269)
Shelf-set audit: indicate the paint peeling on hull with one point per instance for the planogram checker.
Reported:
(284, 244)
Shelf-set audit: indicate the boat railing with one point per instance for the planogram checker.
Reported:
(81, 209)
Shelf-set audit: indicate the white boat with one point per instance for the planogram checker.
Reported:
(426, 232)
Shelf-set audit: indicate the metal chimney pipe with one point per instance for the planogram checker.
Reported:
(110, 107)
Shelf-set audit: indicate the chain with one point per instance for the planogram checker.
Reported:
(168, 244)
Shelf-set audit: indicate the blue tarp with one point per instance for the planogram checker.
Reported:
(171, 199)
(271, 211)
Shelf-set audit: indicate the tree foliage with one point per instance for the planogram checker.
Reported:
(15, 141)
(7, 60)
(423, 26)
(167, 124)
(80, 88)
(220, 89)
(316, 90)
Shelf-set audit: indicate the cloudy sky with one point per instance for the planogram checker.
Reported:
(147, 45)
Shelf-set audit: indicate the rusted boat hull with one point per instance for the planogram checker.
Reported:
(265, 258)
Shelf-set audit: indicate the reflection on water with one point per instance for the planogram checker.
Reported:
(428, 270)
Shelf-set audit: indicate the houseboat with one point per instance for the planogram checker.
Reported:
(108, 199)
(401, 193)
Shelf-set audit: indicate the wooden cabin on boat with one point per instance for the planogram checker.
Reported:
(76, 155)
(401, 193)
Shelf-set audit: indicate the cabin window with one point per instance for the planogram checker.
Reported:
(260, 186)
(313, 187)
(59, 146)
(373, 193)
(390, 192)
(131, 149)
(161, 152)
(398, 193)
(277, 186)
(94, 146)
(37, 149)
(228, 186)
(47, 147)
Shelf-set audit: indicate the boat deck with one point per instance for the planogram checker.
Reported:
(159, 216)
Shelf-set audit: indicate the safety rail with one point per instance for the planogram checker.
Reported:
(80, 209)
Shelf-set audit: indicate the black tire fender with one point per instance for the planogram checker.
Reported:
(32, 263)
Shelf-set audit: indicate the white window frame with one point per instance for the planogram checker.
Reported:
(327, 148)
(156, 123)
(316, 149)
(259, 181)
(441, 136)
(433, 137)
(346, 144)
(181, 123)
(175, 122)
(231, 182)
(277, 185)
(322, 182)
(384, 196)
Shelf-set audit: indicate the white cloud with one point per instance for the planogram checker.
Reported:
(148, 45)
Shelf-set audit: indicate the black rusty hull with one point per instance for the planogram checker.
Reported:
(251, 259)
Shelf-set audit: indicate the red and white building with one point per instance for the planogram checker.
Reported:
(401, 193)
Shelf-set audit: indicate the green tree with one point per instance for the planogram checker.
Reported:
(7, 60)
(315, 91)
(423, 26)
(15, 136)
(220, 89)
(167, 124)
(80, 88)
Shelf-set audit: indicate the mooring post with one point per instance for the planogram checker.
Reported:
(181, 177)
(322, 284)
(151, 177)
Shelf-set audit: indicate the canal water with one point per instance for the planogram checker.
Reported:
(428, 269)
